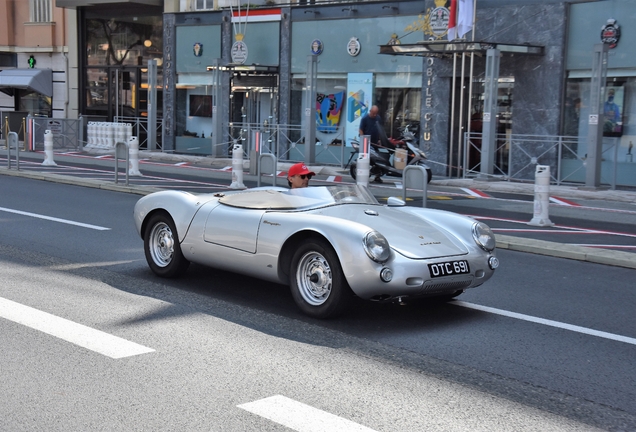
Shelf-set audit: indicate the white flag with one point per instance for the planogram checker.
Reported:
(464, 17)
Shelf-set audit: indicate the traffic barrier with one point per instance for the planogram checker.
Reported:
(362, 170)
(237, 167)
(12, 141)
(269, 167)
(133, 152)
(413, 176)
(541, 197)
(48, 149)
(121, 153)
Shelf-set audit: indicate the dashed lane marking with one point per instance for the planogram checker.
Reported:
(78, 334)
(54, 219)
(300, 417)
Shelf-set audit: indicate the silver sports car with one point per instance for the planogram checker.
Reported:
(327, 243)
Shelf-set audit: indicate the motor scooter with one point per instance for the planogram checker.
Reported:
(380, 156)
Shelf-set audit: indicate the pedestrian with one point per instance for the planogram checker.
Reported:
(370, 125)
(299, 175)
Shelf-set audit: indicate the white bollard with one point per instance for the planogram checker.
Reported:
(90, 133)
(237, 167)
(129, 130)
(48, 149)
(541, 197)
(133, 154)
(362, 170)
(110, 135)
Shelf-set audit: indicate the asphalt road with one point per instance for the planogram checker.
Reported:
(547, 344)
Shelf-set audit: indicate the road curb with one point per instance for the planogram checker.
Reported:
(560, 250)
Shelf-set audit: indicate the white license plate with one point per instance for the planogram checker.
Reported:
(449, 268)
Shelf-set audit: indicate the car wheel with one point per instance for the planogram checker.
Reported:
(162, 248)
(317, 284)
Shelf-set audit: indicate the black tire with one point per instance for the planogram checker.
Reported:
(317, 283)
(162, 248)
(429, 174)
(353, 170)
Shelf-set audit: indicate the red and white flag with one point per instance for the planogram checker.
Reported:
(452, 21)
(460, 20)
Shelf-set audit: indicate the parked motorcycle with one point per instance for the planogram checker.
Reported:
(380, 156)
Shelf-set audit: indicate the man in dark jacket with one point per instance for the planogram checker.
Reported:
(370, 125)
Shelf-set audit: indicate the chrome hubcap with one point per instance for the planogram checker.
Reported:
(314, 278)
(161, 244)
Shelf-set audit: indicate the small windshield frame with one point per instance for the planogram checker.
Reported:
(300, 199)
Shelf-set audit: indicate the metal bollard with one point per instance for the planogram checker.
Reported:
(362, 170)
(541, 197)
(416, 177)
(133, 151)
(237, 167)
(48, 149)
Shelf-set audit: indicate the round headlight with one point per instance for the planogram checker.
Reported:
(484, 236)
(376, 246)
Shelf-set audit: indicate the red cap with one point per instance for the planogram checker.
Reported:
(299, 169)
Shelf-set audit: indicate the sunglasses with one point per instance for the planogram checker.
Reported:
(305, 176)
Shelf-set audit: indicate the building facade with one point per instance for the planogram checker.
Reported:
(224, 64)
(36, 65)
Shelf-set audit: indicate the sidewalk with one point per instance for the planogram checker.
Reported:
(622, 198)
(602, 193)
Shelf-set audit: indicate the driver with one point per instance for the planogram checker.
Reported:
(299, 175)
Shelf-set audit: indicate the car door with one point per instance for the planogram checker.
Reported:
(233, 227)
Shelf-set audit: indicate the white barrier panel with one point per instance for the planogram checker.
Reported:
(133, 152)
(362, 170)
(48, 149)
(541, 197)
(237, 167)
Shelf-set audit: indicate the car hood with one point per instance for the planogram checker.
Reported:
(407, 234)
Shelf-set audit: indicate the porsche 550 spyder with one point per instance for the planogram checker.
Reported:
(328, 243)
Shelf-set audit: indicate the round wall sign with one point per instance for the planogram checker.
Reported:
(353, 47)
(611, 33)
(317, 47)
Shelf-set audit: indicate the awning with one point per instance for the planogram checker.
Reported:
(37, 80)
(446, 48)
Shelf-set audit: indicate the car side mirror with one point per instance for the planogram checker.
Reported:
(395, 202)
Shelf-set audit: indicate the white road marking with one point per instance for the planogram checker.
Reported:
(547, 322)
(78, 334)
(54, 219)
(300, 417)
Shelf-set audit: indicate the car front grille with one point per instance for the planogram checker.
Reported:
(445, 286)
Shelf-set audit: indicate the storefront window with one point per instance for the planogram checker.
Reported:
(194, 123)
(37, 104)
(618, 104)
(118, 41)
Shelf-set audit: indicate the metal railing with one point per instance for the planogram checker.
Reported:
(516, 157)
(140, 130)
(286, 142)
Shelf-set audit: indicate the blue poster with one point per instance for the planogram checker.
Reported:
(360, 88)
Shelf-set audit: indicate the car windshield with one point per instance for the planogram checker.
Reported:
(299, 199)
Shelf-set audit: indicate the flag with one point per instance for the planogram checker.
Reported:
(464, 18)
(460, 20)
(452, 21)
